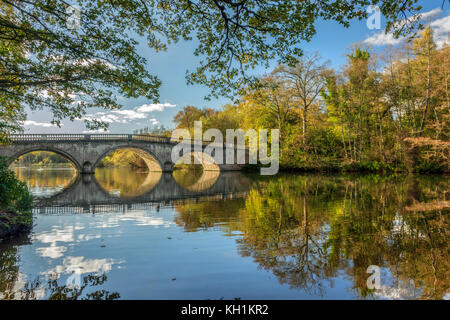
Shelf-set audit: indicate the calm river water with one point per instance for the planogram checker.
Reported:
(202, 235)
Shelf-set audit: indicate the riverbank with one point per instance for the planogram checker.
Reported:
(356, 167)
(12, 223)
(15, 203)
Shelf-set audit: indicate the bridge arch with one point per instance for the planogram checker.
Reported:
(60, 152)
(151, 160)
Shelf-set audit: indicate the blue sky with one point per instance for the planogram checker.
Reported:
(332, 41)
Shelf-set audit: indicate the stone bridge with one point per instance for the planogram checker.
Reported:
(86, 151)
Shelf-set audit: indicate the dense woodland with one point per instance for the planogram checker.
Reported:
(381, 112)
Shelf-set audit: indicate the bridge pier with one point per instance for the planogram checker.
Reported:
(87, 168)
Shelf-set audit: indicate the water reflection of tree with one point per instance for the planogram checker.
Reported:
(56, 291)
(125, 180)
(9, 267)
(305, 229)
(283, 232)
(13, 285)
(9, 272)
(375, 229)
(194, 215)
(49, 177)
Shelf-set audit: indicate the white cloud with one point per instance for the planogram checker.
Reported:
(115, 116)
(154, 107)
(382, 39)
(127, 115)
(104, 117)
(130, 114)
(38, 124)
(430, 13)
(441, 28)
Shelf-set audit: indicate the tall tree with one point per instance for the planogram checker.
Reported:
(351, 100)
(306, 80)
(185, 118)
(425, 49)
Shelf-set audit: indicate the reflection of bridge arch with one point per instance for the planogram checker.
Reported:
(151, 160)
(71, 182)
(151, 180)
(56, 185)
(206, 180)
(60, 152)
(149, 183)
(209, 174)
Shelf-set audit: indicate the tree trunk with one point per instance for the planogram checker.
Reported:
(427, 103)
(343, 141)
(304, 125)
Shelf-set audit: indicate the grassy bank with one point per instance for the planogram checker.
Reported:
(358, 167)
